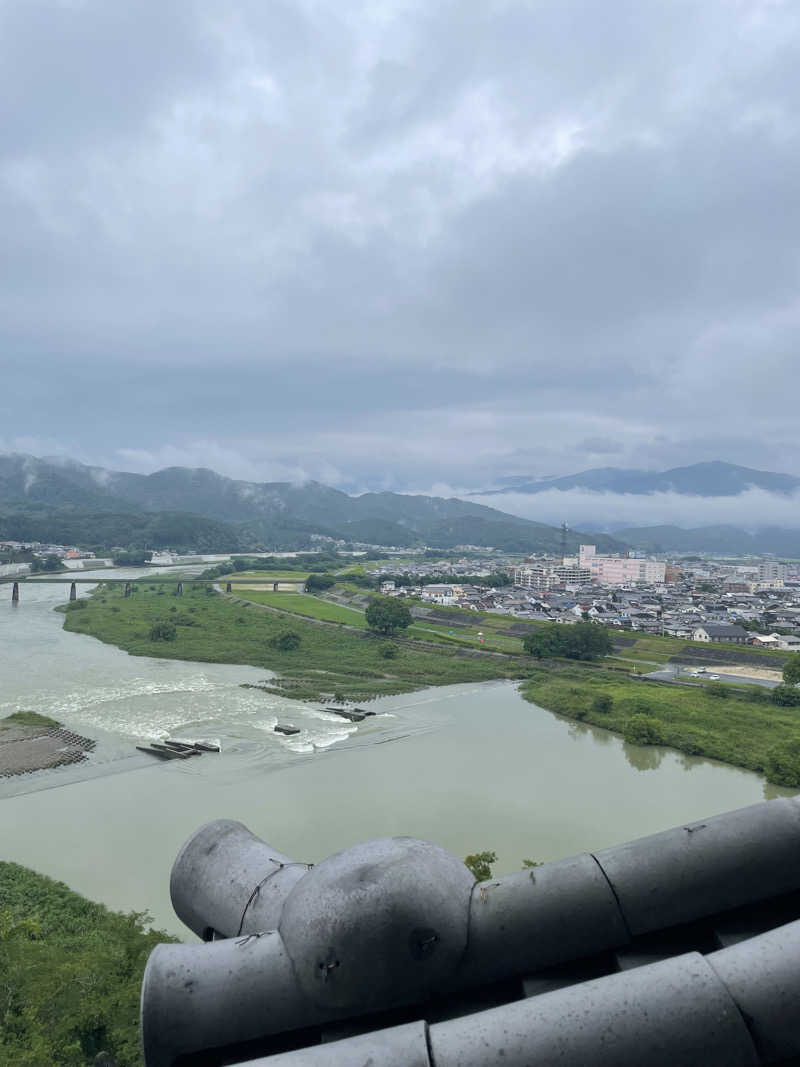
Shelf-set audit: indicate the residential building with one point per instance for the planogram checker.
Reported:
(711, 631)
(772, 572)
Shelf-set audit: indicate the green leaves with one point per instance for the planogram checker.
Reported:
(386, 615)
(583, 640)
(70, 974)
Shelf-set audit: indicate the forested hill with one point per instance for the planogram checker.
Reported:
(67, 502)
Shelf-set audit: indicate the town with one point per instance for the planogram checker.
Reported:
(751, 601)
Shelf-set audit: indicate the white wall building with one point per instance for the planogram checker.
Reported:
(619, 570)
(772, 572)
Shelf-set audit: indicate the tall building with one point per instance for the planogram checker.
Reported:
(619, 570)
(772, 572)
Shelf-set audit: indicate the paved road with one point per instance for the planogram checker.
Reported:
(669, 674)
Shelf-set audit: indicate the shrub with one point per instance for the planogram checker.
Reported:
(643, 729)
(791, 669)
(163, 631)
(783, 763)
(717, 690)
(480, 865)
(757, 695)
(77, 605)
(287, 641)
(387, 650)
(602, 703)
(786, 696)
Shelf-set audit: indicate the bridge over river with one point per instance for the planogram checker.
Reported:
(281, 585)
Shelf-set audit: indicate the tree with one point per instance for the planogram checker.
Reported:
(643, 730)
(717, 689)
(786, 696)
(480, 865)
(387, 615)
(584, 640)
(48, 564)
(791, 669)
(318, 582)
(133, 558)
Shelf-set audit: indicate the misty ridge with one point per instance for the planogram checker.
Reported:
(60, 500)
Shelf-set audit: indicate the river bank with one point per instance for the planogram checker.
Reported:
(742, 727)
(323, 662)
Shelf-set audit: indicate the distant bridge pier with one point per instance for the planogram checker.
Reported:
(274, 587)
(127, 589)
(228, 587)
(15, 593)
(73, 592)
(179, 590)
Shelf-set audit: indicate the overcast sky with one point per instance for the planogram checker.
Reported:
(400, 243)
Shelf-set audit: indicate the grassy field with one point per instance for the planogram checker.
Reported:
(304, 604)
(739, 728)
(329, 660)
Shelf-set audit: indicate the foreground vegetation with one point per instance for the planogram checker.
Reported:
(327, 661)
(740, 726)
(70, 975)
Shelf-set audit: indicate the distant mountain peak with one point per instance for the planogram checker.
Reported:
(709, 478)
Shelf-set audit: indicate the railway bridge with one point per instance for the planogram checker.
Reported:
(129, 584)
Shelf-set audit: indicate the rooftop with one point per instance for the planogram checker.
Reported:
(682, 948)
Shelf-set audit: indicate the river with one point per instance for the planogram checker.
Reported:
(471, 767)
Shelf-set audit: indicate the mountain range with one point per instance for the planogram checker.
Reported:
(62, 501)
(715, 478)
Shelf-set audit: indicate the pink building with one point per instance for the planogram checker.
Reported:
(618, 570)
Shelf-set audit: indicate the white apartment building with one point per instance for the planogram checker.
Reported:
(544, 575)
(619, 570)
(772, 572)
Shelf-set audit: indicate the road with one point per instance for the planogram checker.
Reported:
(674, 673)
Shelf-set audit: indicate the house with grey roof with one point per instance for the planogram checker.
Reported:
(720, 631)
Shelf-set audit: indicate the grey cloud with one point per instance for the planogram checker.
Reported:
(753, 509)
(420, 240)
